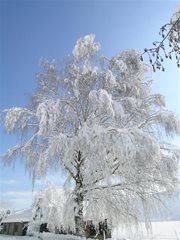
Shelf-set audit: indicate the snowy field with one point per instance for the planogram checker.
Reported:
(160, 231)
(46, 236)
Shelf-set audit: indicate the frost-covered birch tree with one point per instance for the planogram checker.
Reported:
(97, 119)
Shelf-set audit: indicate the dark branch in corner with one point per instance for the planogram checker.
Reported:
(170, 33)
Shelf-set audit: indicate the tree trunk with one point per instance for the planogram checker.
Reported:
(79, 222)
(79, 198)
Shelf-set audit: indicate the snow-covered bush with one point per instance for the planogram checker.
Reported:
(5, 211)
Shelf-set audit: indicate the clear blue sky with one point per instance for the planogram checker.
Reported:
(31, 29)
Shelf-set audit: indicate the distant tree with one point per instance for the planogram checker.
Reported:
(168, 47)
(34, 226)
(97, 119)
(48, 207)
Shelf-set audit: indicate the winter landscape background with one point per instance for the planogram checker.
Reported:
(31, 30)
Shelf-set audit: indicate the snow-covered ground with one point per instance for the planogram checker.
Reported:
(160, 231)
(44, 236)
(7, 237)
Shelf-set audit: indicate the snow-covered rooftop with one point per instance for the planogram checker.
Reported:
(19, 216)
